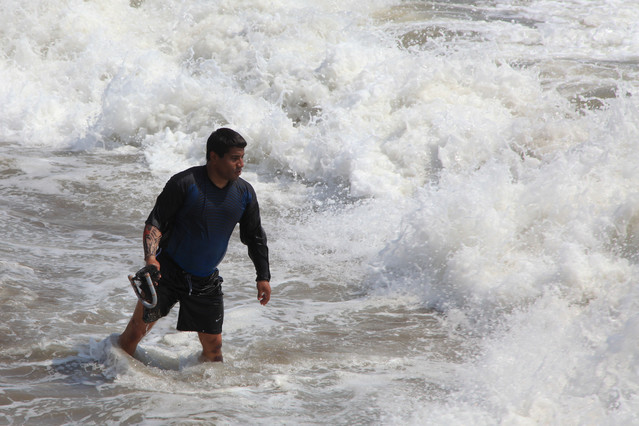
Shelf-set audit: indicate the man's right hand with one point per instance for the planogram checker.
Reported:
(152, 261)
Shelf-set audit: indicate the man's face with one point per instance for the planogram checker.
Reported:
(230, 166)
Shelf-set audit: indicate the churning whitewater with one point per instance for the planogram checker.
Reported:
(449, 189)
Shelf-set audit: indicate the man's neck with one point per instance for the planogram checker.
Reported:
(215, 178)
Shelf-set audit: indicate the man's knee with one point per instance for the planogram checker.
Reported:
(211, 341)
(139, 328)
(211, 346)
(136, 329)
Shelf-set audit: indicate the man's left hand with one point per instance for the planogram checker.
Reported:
(263, 292)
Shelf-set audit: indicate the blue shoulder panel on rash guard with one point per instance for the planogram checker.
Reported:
(202, 225)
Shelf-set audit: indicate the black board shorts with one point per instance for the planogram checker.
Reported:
(201, 299)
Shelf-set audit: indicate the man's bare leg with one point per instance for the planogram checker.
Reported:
(211, 347)
(134, 331)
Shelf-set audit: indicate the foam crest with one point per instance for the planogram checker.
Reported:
(493, 237)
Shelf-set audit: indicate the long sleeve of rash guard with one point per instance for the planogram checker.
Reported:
(252, 234)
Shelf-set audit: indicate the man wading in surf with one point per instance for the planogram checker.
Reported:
(188, 232)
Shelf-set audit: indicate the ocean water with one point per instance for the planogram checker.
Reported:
(450, 191)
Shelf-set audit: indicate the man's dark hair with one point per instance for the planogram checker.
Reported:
(222, 140)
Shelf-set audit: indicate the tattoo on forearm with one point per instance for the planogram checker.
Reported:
(152, 236)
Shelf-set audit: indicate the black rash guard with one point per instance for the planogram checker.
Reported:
(197, 218)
